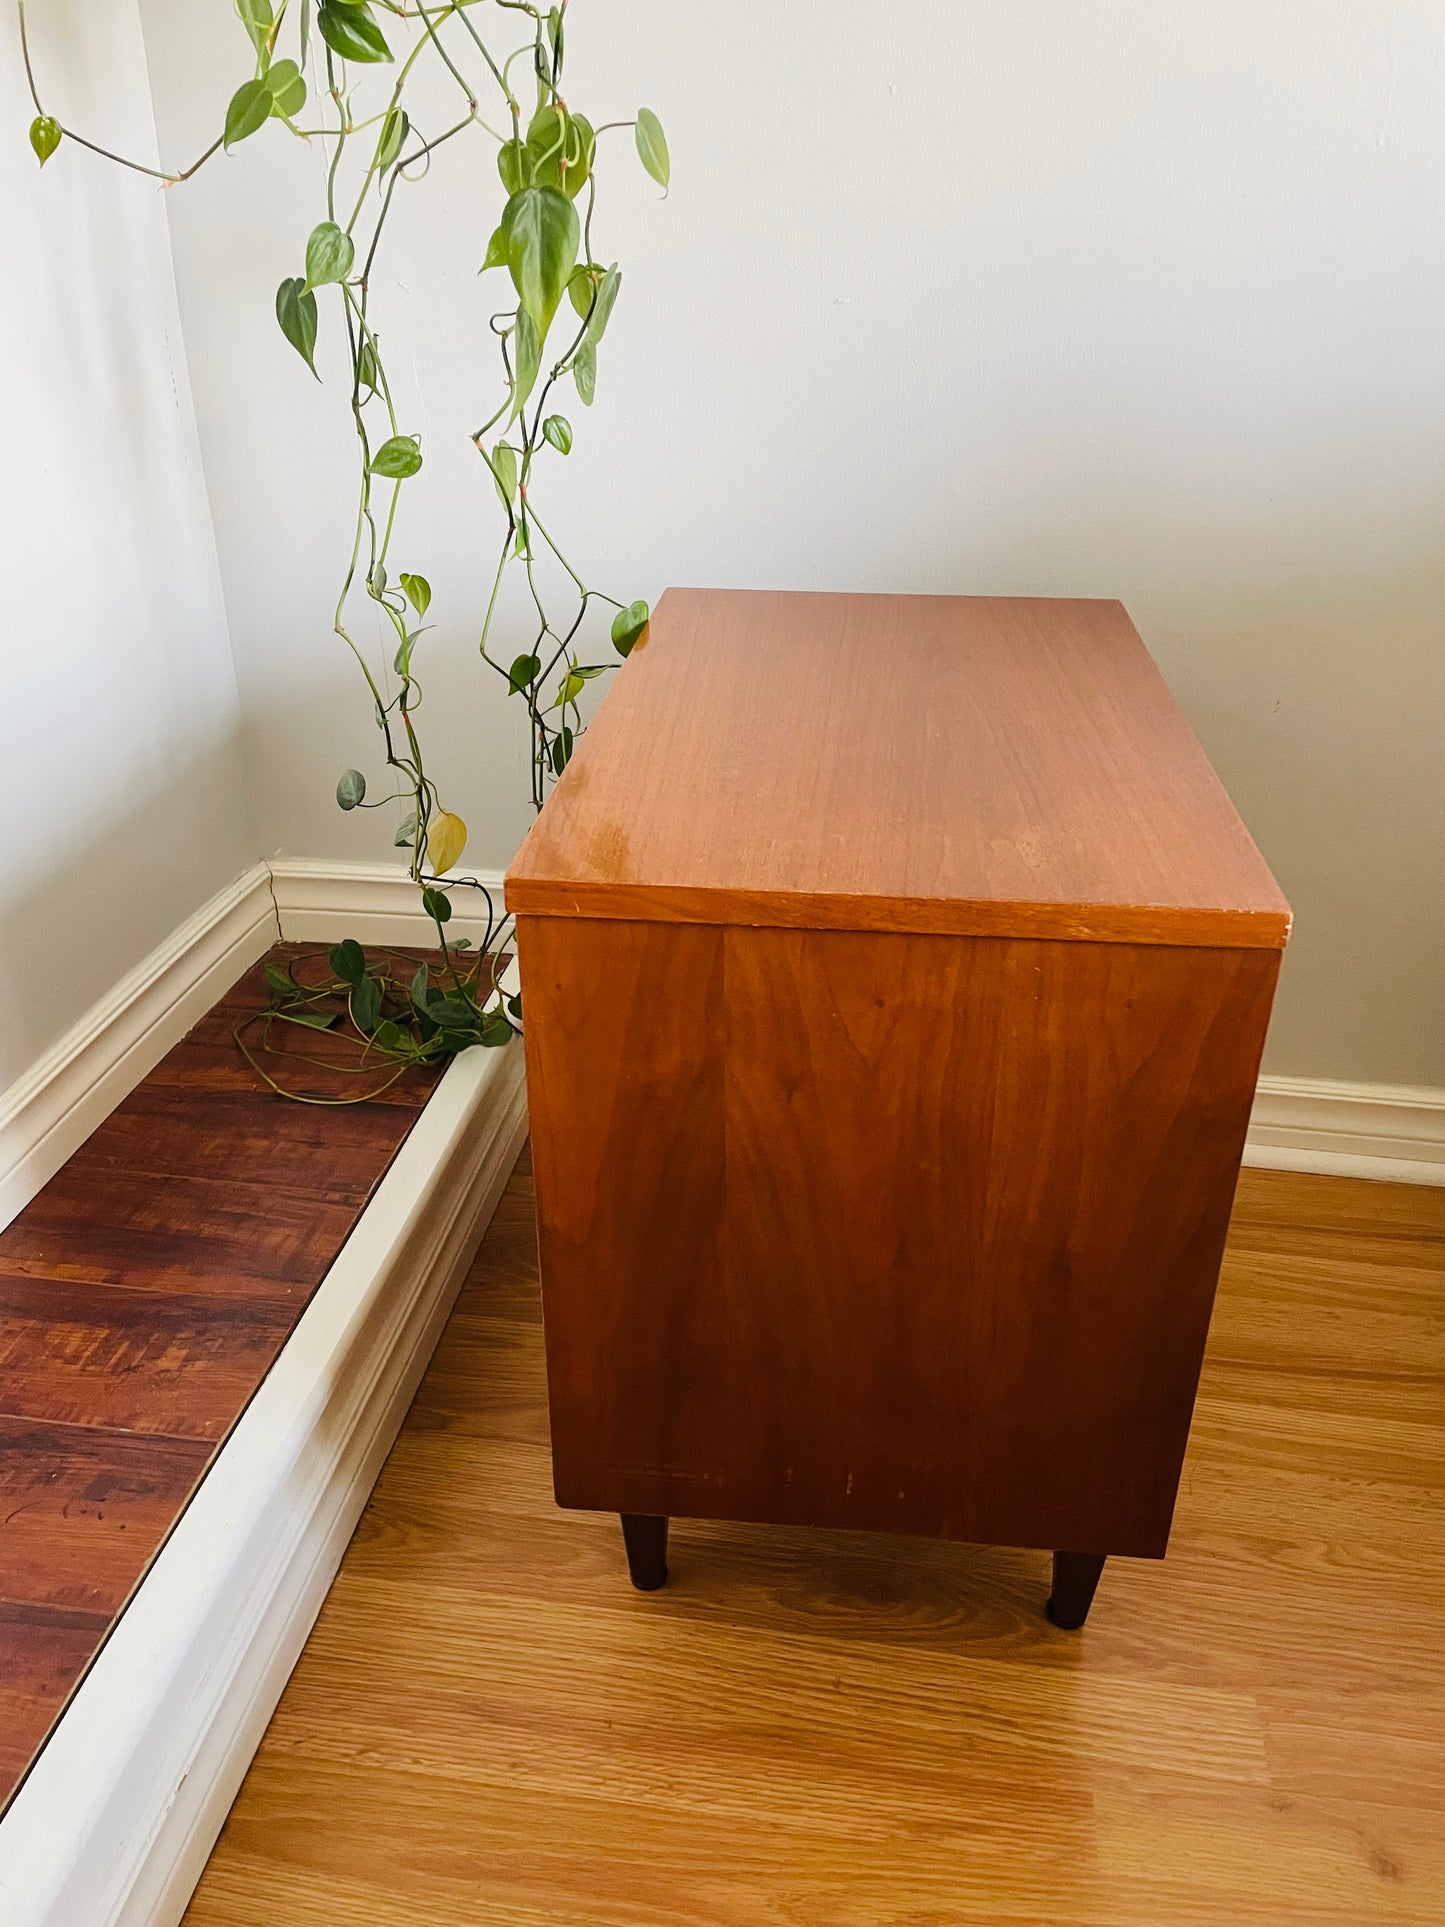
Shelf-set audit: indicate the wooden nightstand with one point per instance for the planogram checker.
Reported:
(895, 972)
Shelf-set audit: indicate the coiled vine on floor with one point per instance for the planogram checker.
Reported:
(311, 61)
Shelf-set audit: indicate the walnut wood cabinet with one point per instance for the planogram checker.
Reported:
(895, 973)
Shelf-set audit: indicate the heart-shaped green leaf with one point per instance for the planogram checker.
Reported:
(296, 312)
(348, 960)
(366, 1004)
(523, 672)
(351, 31)
(627, 625)
(329, 255)
(350, 789)
(584, 372)
(397, 458)
(286, 87)
(504, 472)
(514, 164)
(45, 135)
(417, 591)
(250, 108)
(542, 239)
(652, 146)
(394, 130)
(558, 431)
(282, 988)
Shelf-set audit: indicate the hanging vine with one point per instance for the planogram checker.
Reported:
(548, 331)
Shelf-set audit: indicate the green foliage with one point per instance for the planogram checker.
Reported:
(287, 89)
(394, 130)
(627, 625)
(329, 255)
(543, 234)
(351, 31)
(348, 960)
(396, 459)
(249, 110)
(652, 147)
(504, 472)
(584, 372)
(296, 312)
(45, 136)
(320, 87)
(257, 18)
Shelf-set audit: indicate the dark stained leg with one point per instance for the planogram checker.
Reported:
(1076, 1574)
(646, 1542)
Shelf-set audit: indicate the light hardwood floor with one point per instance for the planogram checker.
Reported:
(830, 1730)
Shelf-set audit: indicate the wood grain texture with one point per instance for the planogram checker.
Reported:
(43, 1652)
(82, 1510)
(968, 765)
(896, 1232)
(144, 1294)
(850, 1730)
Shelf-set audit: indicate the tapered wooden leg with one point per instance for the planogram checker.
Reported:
(1076, 1574)
(646, 1542)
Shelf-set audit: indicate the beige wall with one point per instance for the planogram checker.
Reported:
(1105, 297)
(120, 769)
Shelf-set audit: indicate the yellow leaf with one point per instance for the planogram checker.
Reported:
(446, 838)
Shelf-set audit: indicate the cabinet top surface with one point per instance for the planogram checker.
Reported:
(964, 764)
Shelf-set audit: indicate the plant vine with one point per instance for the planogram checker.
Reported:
(549, 329)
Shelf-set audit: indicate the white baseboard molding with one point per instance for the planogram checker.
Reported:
(1381, 1131)
(320, 901)
(51, 1110)
(115, 1822)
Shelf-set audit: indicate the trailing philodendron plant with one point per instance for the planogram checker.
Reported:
(310, 64)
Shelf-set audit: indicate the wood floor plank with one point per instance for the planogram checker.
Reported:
(247, 1137)
(178, 1364)
(186, 1234)
(81, 1510)
(43, 1652)
(846, 1730)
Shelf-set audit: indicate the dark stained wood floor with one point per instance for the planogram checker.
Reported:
(144, 1295)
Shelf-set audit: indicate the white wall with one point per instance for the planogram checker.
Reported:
(119, 758)
(1067, 296)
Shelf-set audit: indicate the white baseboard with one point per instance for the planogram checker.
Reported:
(51, 1110)
(114, 1824)
(1348, 1130)
(320, 901)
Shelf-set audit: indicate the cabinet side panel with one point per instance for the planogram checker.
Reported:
(977, 1195)
(624, 1031)
(906, 1233)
